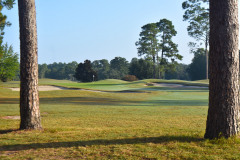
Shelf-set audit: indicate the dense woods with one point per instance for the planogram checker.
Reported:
(120, 67)
(141, 68)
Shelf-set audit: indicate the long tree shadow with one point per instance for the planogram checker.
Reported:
(142, 140)
(110, 102)
(9, 100)
(176, 103)
(168, 89)
(8, 131)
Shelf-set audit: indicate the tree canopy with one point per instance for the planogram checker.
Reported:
(148, 43)
(197, 68)
(197, 14)
(3, 20)
(156, 37)
(169, 51)
(142, 69)
(85, 73)
(118, 68)
(9, 65)
(102, 67)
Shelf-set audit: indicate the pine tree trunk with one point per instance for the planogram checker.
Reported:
(154, 67)
(158, 68)
(29, 100)
(223, 113)
(206, 53)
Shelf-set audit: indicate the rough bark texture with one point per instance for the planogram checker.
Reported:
(154, 67)
(206, 52)
(223, 113)
(29, 99)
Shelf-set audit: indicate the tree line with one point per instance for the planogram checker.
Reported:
(114, 69)
(119, 67)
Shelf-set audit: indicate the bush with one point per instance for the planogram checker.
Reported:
(129, 78)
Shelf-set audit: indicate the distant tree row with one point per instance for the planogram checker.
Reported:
(116, 69)
(57, 70)
(119, 67)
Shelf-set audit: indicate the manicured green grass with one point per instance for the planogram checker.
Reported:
(105, 85)
(158, 124)
(109, 85)
(117, 85)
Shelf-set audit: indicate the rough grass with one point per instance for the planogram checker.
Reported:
(160, 124)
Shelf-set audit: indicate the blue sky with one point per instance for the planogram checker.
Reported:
(97, 29)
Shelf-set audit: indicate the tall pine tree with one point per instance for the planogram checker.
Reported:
(197, 14)
(29, 98)
(156, 37)
(223, 112)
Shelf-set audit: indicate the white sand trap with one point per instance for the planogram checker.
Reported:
(43, 88)
(55, 88)
(173, 85)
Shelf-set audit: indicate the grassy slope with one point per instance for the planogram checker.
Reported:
(118, 85)
(106, 85)
(161, 124)
(109, 85)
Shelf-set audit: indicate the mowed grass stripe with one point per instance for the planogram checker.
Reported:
(159, 124)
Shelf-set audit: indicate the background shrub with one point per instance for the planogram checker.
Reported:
(129, 78)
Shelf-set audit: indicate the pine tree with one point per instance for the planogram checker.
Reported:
(223, 112)
(29, 98)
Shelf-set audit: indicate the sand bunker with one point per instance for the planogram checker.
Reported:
(55, 88)
(173, 85)
(43, 88)
(168, 85)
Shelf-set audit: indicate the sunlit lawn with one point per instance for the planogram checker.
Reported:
(156, 124)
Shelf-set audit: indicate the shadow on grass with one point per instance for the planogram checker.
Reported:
(175, 103)
(7, 131)
(9, 100)
(109, 102)
(143, 140)
(168, 89)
